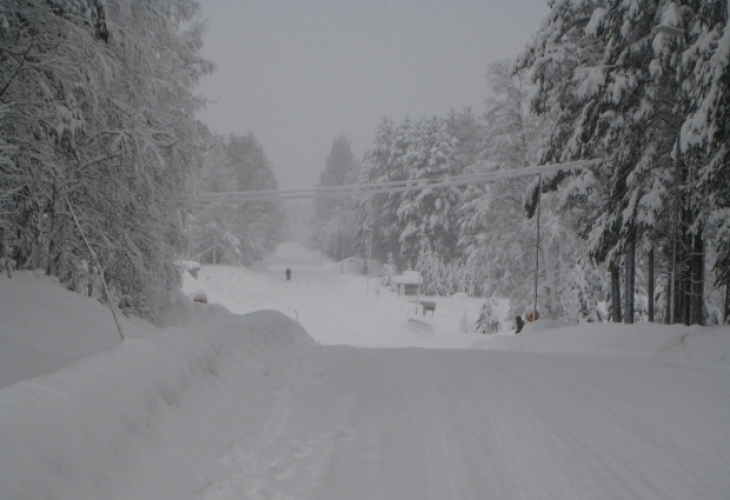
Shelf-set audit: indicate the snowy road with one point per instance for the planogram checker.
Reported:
(384, 424)
(333, 397)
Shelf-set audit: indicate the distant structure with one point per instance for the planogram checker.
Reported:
(408, 282)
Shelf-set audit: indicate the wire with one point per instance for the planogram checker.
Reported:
(388, 187)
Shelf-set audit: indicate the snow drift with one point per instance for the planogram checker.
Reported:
(123, 423)
(44, 327)
(693, 345)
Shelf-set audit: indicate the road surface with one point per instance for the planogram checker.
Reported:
(456, 424)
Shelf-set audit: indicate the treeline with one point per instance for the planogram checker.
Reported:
(597, 80)
(622, 81)
(333, 224)
(97, 121)
(474, 239)
(226, 231)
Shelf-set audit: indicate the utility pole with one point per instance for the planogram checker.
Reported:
(370, 257)
(537, 244)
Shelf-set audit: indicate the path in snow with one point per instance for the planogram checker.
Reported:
(434, 424)
(335, 307)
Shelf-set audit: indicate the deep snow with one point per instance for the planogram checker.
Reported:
(298, 404)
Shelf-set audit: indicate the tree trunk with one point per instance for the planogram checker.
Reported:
(668, 305)
(551, 279)
(683, 298)
(650, 285)
(726, 315)
(685, 270)
(686, 290)
(697, 281)
(615, 293)
(629, 277)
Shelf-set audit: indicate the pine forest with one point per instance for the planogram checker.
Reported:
(108, 178)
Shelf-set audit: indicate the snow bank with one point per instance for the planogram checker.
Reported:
(336, 309)
(44, 327)
(132, 421)
(181, 308)
(706, 346)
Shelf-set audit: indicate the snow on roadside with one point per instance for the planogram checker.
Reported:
(44, 327)
(338, 308)
(139, 420)
(703, 346)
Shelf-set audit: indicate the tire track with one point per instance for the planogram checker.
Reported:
(424, 424)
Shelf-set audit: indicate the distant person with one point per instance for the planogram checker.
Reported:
(520, 324)
(288, 274)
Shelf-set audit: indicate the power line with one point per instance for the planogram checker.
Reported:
(398, 186)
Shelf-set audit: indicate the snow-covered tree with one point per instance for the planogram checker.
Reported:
(496, 238)
(98, 115)
(611, 78)
(334, 219)
(404, 223)
(488, 322)
(226, 230)
(431, 268)
(388, 272)
(384, 162)
(260, 223)
(706, 131)
(210, 227)
(426, 217)
(492, 225)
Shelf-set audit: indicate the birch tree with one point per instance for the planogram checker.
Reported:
(96, 107)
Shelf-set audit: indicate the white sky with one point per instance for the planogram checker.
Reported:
(300, 73)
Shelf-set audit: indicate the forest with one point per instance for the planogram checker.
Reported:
(645, 235)
(107, 176)
(101, 154)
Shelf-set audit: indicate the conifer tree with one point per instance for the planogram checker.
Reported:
(334, 228)
(427, 215)
(612, 77)
(384, 162)
(227, 230)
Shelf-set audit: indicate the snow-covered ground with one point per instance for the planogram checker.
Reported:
(309, 390)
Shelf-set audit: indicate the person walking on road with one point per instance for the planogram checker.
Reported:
(520, 324)
(288, 274)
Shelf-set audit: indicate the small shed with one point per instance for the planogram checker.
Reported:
(190, 266)
(408, 282)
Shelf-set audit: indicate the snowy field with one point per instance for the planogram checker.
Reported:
(317, 388)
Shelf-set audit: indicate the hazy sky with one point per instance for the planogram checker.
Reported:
(299, 73)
